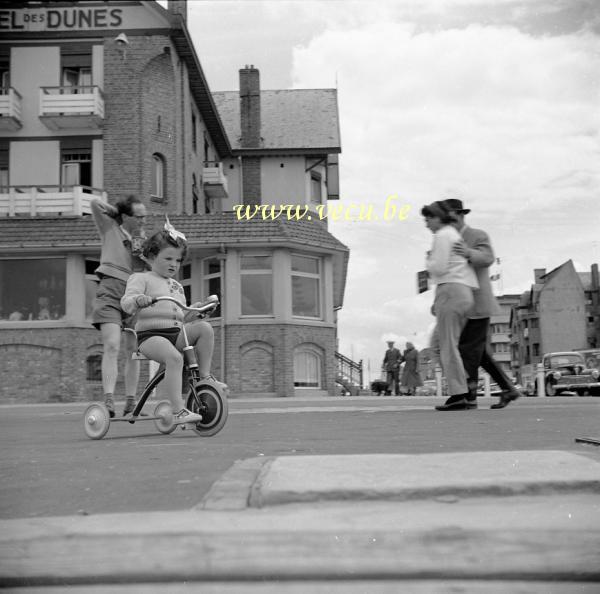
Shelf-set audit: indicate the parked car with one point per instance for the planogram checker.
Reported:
(568, 372)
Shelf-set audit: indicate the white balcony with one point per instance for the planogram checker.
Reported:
(214, 180)
(10, 109)
(72, 108)
(35, 201)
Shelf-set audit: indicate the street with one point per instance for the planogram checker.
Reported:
(50, 468)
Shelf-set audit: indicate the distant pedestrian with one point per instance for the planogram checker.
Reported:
(411, 378)
(391, 365)
(455, 281)
(477, 248)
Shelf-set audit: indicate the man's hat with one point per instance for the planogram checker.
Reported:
(456, 206)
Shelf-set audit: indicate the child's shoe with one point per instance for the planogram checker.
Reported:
(211, 378)
(110, 405)
(186, 416)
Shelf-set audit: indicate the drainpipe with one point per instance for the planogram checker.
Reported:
(241, 180)
(223, 260)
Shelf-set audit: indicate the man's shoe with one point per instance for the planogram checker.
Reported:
(130, 404)
(457, 402)
(110, 405)
(506, 397)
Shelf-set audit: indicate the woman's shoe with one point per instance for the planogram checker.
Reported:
(110, 405)
(456, 402)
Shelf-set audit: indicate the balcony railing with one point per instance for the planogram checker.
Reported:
(10, 109)
(67, 201)
(72, 107)
(349, 374)
(214, 180)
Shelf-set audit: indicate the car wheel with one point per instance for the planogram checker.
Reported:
(550, 389)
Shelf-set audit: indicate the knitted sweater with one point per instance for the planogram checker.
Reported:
(162, 314)
(116, 259)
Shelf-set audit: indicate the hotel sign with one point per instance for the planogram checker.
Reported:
(76, 18)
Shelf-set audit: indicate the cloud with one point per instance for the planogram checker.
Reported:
(501, 117)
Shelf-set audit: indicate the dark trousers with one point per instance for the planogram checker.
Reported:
(393, 381)
(474, 352)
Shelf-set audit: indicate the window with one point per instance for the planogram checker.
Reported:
(315, 187)
(195, 194)
(93, 365)
(194, 134)
(4, 167)
(536, 349)
(32, 289)
(91, 284)
(211, 278)
(307, 368)
(76, 167)
(76, 69)
(306, 292)
(185, 278)
(158, 176)
(257, 285)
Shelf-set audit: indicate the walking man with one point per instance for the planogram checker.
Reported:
(391, 365)
(477, 248)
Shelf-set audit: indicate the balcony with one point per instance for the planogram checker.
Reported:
(35, 201)
(10, 109)
(72, 108)
(214, 180)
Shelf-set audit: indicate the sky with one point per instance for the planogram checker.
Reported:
(493, 102)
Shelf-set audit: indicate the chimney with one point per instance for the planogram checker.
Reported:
(537, 275)
(250, 106)
(595, 282)
(178, 7)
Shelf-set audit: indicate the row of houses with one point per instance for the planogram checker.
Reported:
(110, 99)
(559, 312)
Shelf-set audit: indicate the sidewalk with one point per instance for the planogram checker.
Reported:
(360, 523)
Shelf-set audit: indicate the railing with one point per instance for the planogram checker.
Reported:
(48, 200)
(348, 371)
(68, 101)
(10, 103)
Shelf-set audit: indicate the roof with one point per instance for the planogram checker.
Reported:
(17, 233)
(46, 235)
(290, 119)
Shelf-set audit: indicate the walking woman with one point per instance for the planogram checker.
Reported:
(455, 281)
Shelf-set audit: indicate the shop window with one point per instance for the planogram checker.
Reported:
(211, 278)
(307, 368)
(32, 289)
(306, 286)
(257, 285)
(158, 177)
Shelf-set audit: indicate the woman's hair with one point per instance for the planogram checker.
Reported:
(125, 205)
(440, 210)
(159, 241)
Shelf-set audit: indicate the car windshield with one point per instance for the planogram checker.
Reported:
(560, 360)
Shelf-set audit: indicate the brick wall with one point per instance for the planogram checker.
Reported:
(139, 87)
(247, 348)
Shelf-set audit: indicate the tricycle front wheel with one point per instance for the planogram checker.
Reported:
(208, 400)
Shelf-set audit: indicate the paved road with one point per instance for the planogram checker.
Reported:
(49, 467)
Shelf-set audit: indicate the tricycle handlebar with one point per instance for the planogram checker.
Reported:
(206, 307)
